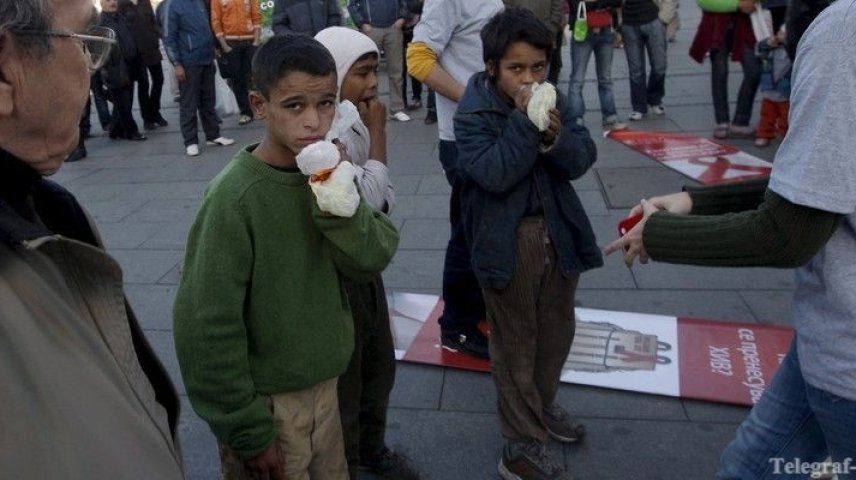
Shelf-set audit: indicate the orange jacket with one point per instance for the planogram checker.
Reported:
(235, 19)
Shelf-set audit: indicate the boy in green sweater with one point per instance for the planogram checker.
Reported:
(262, 325)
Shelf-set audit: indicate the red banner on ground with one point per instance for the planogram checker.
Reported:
(723, 362)
(697, 157)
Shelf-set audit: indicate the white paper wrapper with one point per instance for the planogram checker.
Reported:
(346, 116)
(542, 101)
(317, 157)
(338, 194)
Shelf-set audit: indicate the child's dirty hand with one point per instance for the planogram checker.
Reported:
(552, 133)
(373, 113)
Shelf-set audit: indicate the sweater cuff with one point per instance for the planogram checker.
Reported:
(733, 197)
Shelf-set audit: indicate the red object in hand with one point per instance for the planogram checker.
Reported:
(628, 223)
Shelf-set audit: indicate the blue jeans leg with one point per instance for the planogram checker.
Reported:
(580, 54)
(837, 419)
(603, 49)
(782, 425)
(634, 48)
(655, 44)
(464, 304)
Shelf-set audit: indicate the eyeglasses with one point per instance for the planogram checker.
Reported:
(96, 43)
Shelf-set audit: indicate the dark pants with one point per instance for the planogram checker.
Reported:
(99, 97)
(648, 38)
(416, 85)
(556, 59)
(531, 330)
(719, 83)
(365, 386)
(242, 54)
(198, 95)
(464, 306)
(431, 106)
(123, 124)
(149, 93)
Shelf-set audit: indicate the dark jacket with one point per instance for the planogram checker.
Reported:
(144, 28)
(377, 13)
(305, 16)
(500, 162)
(123, 62)
(74, 362)
(187, 34)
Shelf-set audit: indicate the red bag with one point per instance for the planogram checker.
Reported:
(599, 18)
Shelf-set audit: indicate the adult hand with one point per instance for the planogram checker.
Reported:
(398, 24)
(226, 48)
(746, 6)
(522, 97)
(268, 465)
(552, 133)
(179, 73)
(680, 203)
(631, 242)
(366, 28)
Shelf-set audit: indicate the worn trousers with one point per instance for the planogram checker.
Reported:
(531, 330)
(309, 436)
(391, 41)
(198, 95)
(365, 386)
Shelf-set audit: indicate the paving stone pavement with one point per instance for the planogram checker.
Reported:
(144, 195)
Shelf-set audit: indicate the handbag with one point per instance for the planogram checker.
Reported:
(601, 18)
(581, 24)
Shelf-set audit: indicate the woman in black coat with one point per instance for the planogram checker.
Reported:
(140, 18)
(123, 65)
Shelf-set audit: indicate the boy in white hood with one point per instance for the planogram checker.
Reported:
(365, 387)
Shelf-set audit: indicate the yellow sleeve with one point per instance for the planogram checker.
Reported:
(420, 60)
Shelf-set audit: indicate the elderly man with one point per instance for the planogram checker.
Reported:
(83, 395)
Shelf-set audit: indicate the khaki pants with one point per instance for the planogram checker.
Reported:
(531, 330)
(391, 41)
(310, 436)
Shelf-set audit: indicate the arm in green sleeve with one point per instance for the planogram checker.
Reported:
(210, 334)
(362, 245)
(733, 197)
(776, 234)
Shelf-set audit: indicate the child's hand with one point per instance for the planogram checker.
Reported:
(552, 133)
(373, 113)
(521, 98)
(343, 151)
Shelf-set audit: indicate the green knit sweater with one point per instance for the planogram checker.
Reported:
(741, 224)
(260, 308)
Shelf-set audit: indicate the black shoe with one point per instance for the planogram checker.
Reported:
(161, 122)
(390, 465)
(78, 153)
(431, 118)
(150, 125)
(467, 340)
(137, 137)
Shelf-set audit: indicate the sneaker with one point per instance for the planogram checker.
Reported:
(244, 119)
(658, 109)
(762, 142)
(561, 426)
(636, 116)
(741, 131)
(612, 123)
(431, 117)
(221, 141)
(721, 131)
(401, 116)
(391, 465)
(192, 150)
(529, 461)
(467, 340)
(78, 153)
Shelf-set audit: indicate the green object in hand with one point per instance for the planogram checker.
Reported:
(581, 24)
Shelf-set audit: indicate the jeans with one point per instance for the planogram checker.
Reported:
(600, 44)
(198, 95)
(531, 330)
(792, 420)
(638, 39)
(462, 295)
(719, 83)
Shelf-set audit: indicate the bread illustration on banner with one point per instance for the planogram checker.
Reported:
(543, 100)
(331, 181)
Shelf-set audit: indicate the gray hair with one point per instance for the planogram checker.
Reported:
(27, 15)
